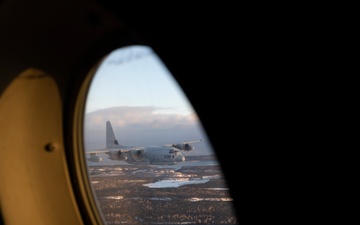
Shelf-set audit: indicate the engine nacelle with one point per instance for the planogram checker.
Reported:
(184, 146)
(94, 158)
(117, 155)
(138, 155)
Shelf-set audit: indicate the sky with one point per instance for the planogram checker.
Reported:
(134, 90)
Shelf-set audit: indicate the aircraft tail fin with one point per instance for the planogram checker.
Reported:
(111, 140)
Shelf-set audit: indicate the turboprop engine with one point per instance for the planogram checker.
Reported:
(94, 158)
(184, 147)
(117, 155)
(138, 155)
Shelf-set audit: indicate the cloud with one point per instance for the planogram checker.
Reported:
(142, 117)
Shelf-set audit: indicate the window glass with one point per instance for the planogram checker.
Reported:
(148, 158)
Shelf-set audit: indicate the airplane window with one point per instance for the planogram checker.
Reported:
(136, 118)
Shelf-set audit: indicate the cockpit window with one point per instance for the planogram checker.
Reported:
(136, 115)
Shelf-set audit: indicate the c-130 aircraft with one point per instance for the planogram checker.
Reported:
(155, 155)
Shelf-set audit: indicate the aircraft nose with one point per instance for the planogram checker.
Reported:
(180, 158)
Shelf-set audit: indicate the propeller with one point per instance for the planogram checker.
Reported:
(138, 155)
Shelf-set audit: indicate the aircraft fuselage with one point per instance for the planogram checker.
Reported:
(157, 155)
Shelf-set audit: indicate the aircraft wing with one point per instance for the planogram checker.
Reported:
(100, 151)
(103, 151)
(185, 146)
(185, 142)
(113, 153)
(190, 142)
